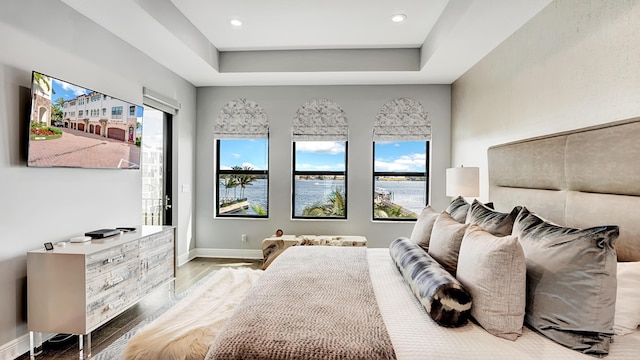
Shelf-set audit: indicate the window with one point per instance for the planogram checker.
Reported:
(116, 112)
(242, 175)
(401, 136)
(132, 110)
(104, 111)
(400, 179)
(241, 131)
(319, 179)
(80, 113)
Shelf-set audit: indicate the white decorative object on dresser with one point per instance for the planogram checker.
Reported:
(77, 288)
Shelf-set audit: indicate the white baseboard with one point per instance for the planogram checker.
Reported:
(19, 346)
(225, 253)
(185, 258)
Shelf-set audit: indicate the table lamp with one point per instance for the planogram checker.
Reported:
(463, 181)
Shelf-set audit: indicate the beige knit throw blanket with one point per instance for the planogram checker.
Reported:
(314, 302)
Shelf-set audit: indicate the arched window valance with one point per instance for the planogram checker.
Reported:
(241, 119)
(402, 119)
(320, 119)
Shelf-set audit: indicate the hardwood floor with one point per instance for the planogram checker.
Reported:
(187, 275)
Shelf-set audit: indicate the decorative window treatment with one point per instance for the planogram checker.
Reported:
(402, 119)
(241, 119)
(320, 119)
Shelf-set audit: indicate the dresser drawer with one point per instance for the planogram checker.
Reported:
(112, 303)
(108, 259)
(155, 241)
(112, 280)
(156, 257)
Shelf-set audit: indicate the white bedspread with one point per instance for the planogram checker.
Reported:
(415, 336)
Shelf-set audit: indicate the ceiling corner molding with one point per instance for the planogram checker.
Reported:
(451, 15)
(330, 60)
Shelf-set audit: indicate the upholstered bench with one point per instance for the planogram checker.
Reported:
(274, 246)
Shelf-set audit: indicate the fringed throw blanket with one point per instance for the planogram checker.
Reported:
(312, 303)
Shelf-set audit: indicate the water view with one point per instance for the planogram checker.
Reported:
(411, 195)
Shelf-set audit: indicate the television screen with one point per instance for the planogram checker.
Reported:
(71, 126)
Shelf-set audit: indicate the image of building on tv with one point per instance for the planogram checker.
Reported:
(71, 126)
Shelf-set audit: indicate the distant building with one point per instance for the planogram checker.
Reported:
(41, 102)
(102, 115)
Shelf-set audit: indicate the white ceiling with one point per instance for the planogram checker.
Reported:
(304, 42)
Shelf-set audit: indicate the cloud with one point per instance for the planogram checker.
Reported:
(244, 164)
(313, 167)
(236, 155)
(320, 147)
(407, 163)
(76, 90)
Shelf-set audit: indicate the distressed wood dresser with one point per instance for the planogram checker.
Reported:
(76, 288)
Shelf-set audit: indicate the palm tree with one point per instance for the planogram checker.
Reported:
(229, 182)
(259, 210)
(41, 79)
(244, 179)
(335, 207)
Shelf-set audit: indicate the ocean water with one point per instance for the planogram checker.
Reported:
(409, 194)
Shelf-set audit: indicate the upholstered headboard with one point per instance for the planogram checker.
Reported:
(582, 178)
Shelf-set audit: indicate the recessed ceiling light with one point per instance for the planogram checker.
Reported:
(235, 22)
(397, 18)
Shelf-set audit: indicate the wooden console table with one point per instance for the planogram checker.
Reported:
(274, 246)
(76, 288)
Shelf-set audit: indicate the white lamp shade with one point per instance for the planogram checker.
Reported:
(463, 181)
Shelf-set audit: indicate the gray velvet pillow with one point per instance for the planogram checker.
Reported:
(442, 296)
(459, 208)
(571, 282)
(421, 233)
(493, 271)
(497, 223)
(446, 237)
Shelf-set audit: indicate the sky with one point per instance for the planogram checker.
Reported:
(69, 91)
(250, 152)
(402, 156)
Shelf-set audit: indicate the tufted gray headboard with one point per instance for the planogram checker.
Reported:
(579, 179)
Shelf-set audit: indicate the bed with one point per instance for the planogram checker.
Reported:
(367, 303)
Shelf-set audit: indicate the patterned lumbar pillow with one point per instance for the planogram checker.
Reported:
(421, 233)
(571, 282)
(442, 296)
(497, 223)
(493, 271)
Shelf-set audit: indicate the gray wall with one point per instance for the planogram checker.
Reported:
(361, 104)
(39, 205)
(575, 64)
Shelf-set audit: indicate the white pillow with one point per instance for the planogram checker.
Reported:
(627, 317)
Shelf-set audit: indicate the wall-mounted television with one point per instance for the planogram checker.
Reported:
(72, 126)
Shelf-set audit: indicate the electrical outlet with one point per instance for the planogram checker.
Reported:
(244, 237)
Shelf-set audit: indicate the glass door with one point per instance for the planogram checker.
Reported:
(156, 167)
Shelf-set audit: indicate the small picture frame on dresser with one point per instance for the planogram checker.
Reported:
(48, 246)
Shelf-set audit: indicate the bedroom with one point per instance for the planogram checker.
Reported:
(573, 65)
